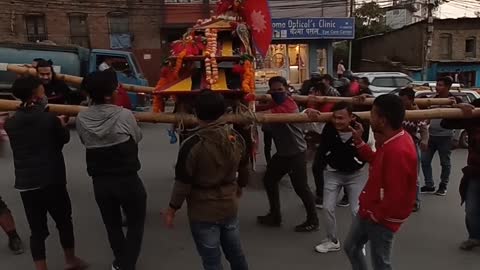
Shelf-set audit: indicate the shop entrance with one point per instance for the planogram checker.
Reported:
(287, 60)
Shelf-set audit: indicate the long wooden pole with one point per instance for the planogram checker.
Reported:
(187, 119)
(422, 103)
(75, 80)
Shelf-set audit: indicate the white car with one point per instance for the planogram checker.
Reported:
(385, 82)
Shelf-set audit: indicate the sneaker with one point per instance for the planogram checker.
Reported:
(470, 244)
(16, 246)
(328, 246)
(307, 226)
(416, 208)
(115, 266)
(344, 202)
(269, 221)
(427, 189)
(442, 191)
(319, 203)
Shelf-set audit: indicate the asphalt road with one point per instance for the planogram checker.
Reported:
(429, 240)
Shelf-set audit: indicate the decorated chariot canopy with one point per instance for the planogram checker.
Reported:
(218, 53)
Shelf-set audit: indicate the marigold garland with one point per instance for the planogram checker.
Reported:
(248, 83)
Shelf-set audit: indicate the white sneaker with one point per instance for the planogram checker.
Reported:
(328, 246)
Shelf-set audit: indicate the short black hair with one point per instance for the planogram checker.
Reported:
(391, 107)
(447, 80)
(343, 106)
(329, 78)
(407, 92)
(209, 106)
(38, 59)
(278, 79)
(100, 84)
(23, 87)
(44, 63)
(365, 80)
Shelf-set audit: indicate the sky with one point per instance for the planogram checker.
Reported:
(456, 9)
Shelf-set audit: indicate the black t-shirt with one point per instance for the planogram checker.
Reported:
(57, 92)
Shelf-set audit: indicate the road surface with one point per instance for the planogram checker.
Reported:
(429, 240)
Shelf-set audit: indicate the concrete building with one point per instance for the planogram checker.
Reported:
(455, 50)
(406, 12)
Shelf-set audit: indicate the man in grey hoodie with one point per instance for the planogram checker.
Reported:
(110, 135)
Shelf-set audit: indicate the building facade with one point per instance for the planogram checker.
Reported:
(147, 27)
(455, 50)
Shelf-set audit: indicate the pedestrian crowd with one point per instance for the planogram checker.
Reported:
(380, 182)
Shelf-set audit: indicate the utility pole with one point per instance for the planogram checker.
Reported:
(352, 8)
(429, 39)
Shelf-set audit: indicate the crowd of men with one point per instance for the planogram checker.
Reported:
(213, 167)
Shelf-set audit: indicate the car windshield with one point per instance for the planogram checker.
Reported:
(383, 82)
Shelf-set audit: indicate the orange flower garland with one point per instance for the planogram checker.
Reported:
(211, 65)
(248, 83)
(178, 63)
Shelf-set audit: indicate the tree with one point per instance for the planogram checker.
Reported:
(370, 20)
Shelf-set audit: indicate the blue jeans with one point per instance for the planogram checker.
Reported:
(209, 237)
(381, 243)
(444, 147)
(472, 207)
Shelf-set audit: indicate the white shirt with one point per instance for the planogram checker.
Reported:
(103, 66)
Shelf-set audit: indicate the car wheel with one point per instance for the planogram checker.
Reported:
(463, 141)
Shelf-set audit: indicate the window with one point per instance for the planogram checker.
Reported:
(470, 47)
(119, 29)
(402, 82)
(79, 30)
(183, 1)
(445, 46)
(383, 82)
(36, 30)
(118, 23)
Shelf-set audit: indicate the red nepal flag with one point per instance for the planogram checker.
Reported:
(257, 16)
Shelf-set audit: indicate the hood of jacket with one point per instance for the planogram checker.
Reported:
(100, 126)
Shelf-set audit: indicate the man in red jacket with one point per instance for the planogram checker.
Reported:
(389, 195)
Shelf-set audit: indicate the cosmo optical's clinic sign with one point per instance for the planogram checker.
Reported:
(313, 28)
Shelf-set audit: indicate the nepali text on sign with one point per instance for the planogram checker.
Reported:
(313, 28)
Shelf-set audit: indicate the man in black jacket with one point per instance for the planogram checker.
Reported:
(57, 91)
(343, 169)
(37, 138)
(111, 135)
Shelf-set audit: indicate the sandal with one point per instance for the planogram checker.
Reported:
(78, 265)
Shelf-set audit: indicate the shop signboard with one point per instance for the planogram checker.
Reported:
(313, 28)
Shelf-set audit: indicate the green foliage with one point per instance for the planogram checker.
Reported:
(370, 20)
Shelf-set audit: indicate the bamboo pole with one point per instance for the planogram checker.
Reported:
(421, 102)
(74, 80)
(187, 119)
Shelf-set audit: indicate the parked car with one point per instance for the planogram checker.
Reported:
(385, 82)
(460, 137)
(433, 84)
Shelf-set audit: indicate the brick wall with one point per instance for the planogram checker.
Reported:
(460, 30)
(399, 46)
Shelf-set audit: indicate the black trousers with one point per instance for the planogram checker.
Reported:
(3, 207)
(296, 167)
(112, 194)
(55, 201)
(267, 145)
